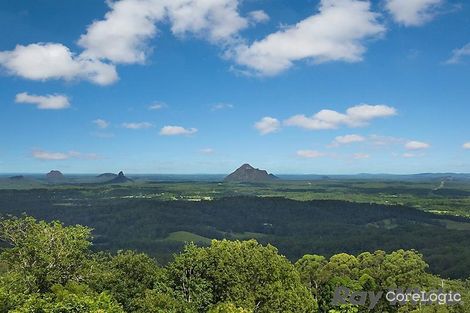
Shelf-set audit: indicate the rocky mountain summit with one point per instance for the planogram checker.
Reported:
(119, 179)
(247, 173)
(55, 175)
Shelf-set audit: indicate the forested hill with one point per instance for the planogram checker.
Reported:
(160, 228)
(47, 267)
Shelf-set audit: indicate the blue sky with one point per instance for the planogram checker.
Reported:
(193, 86)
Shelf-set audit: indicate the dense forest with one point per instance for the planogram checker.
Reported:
(165, 247)
(49, 267)
(327, 227)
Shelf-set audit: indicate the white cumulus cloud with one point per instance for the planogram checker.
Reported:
(157, 106)
(177, 131)
(346, 139)
(138, 125)
(60, 156)
(336, 33)
(123, 35)
(258, 16)
(47, 102)
(412, 12)
(45, 155)
(216, 21)
(466, 145)
(101, 123)
(459, 54)
(356, 116)
(416, 145)
(44, 61)
(267, 125)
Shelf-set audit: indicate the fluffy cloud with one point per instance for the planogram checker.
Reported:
(139, 125)
(123, 35)
(60, 156)
(346, 139)
(216, 21)
(416, 145)
(412, 12)
(267, 125)
(466, 145)
(258, 16)
(309, 154)
(101, 123)
(44, 61)
(177, 131)
(47, 102)
(459, 54)
(158, 106)
(356, 116)
(336, 33)
(45, 155)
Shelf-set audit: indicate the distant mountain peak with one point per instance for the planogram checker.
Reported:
(119, 179)
(247, 173)
(54, 175)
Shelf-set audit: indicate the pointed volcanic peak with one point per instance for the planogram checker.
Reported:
(248, 174)
(119, 179)
(55, 175)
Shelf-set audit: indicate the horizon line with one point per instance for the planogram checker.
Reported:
(279, 174)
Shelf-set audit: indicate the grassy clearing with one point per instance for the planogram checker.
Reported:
(184, 236)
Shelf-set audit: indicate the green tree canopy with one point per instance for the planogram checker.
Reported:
(245, 273)
(44, 254)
